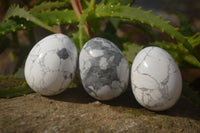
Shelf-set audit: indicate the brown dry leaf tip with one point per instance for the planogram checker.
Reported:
(77, 7)
(76, 4)
(88, 30)
(56, 29)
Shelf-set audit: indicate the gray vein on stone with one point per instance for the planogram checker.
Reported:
(163, 85)
(147, 54)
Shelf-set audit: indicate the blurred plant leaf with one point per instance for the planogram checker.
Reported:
(190, 94)
(122, 2)
(185, 25)
(51, 18)
(22, 13)
(130, 51)
(19, 73)
(195, 40)
(12, 87)
(10, 92)
(48, 6)
(5, 43)
(146, 17)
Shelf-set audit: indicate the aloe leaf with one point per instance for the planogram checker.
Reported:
(15, 91)
(81, 26)
(119, 42)
(58, 17)
(50, 18)
(125, 12)
(195, 40)
(12, 25)
(191, 95)
(48, 6)
(122, 2)
(14, 11)
(185, 25)
(192, 61)
(13, 86)
(76, 39)
(83, 18)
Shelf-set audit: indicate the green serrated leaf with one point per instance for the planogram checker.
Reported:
(115, 22)
(192, 61)
(58, 17)
(110, 1)
(15, 91)
(185, 25)
(190, 94)
(113, 38)
(50, 18)
(93, 22)
(14, 11)
(76, 39)
(195, 40)
(19, 73)
(12, 25)
(81, 27)
(146, 17)
(112, 25)
(122, 2)
(82, 22)
(127, 2)
(48, 6)
(146, 28)
(12, 87)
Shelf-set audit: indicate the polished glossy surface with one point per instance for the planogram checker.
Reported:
(156, 79)
(51, 64)
(103, 69)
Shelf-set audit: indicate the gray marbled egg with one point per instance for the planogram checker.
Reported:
(103, 68)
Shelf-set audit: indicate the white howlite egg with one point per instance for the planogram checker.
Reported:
(156, 79)
(51, 65)
(103, 68)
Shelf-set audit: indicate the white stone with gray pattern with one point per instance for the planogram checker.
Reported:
(103, 68)
(51, 64)
(156, 79)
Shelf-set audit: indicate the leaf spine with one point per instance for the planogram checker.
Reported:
(70, 21)
(168, 22)
(177, 29)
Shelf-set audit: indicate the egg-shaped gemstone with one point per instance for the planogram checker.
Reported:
(156, 79)
(103, 68)
(51, 64)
